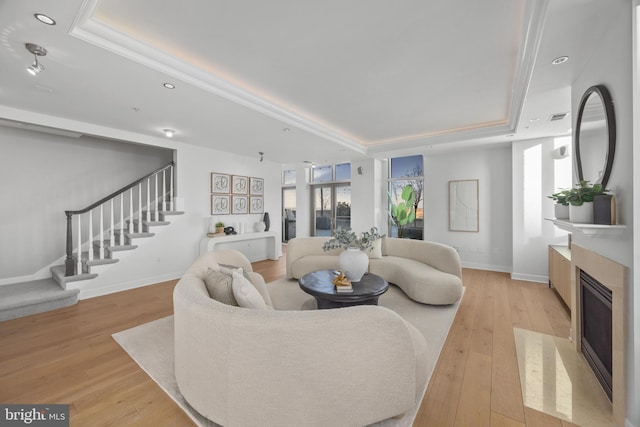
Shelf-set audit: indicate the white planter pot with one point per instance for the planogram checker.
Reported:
(353, 263)
(561, 211)
(581, 214)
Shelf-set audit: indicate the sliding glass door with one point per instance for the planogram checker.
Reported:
(331, 208)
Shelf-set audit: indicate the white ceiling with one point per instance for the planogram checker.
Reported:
(348, 79)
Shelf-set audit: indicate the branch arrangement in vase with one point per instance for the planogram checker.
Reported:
(346, 238)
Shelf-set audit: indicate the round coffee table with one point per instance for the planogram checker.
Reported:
(365, 292)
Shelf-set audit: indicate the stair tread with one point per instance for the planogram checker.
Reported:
(118, 248)
(145, 222)
(171, 212)
(59, 270)
(34, 292)
(104, 261)
(136, 235)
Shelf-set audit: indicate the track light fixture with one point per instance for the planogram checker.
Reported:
(261, 155)
(35, 68)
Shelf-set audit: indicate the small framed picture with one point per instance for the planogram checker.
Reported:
(239, 204)
(220, 183)
(220, 204)
(256, 204)
(239, 184)
(256, 186)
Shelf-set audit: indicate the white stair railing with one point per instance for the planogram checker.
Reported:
(155, 202)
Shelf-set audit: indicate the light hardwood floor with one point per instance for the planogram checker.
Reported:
(68, 356)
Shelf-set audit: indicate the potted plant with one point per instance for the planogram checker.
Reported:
(561, 207)
(354, 262)
(404, 212)
(580, 200)
(219, 227)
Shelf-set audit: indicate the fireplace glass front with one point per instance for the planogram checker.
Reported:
(596, 329)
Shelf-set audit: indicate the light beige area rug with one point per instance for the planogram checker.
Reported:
(151, 344)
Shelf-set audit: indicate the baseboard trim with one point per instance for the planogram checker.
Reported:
(488, 267)
(93, 292)
(530, 278)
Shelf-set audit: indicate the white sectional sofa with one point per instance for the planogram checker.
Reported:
(251, 367)
(427, 272)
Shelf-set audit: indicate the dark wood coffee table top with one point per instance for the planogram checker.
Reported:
(365, 292)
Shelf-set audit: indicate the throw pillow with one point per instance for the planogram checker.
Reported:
(245, 293)
(219, 286)
(229, 269)
(376, 251)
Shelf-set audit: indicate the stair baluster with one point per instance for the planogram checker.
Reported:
(101, 234)
(137, 230)
(155, 200)
(171, 206)
(121, 237)
(90, 237)
(164, 192)
(112, 227)
(79, 258)
(130, 214)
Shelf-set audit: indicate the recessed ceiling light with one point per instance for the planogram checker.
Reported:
(286, 130)
(44, 19)
(560, 60)
(534, 119)
(169, 85)
(169, 133)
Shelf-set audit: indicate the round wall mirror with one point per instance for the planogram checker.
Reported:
(595, 136)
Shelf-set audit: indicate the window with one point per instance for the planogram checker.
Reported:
(330, 173)
(322, 174)
(289, 177)
(404, 171)
(343, 172)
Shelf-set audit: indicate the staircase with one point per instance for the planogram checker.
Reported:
(121, 218)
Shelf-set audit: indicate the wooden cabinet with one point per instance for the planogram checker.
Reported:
(560, 272)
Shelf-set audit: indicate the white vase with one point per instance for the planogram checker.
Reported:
(353, 263)
(260, 226)
(561, 211)
(581, 214)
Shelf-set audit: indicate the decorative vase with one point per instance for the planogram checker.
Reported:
(267, 221)
(561, 211)
(260, 226)
(581, 214)
(354, 263)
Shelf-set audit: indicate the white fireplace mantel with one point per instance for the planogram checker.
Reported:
(590, 230)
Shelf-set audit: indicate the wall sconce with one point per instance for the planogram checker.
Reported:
(261, 156)
(35, 68)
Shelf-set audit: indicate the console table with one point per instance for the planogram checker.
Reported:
(256, 246)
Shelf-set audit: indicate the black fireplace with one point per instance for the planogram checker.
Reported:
(596, 328)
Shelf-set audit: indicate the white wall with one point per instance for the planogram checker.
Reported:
(43, 175)
(610, 63)
(536, 175)
(366, 203)
(490, 248)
